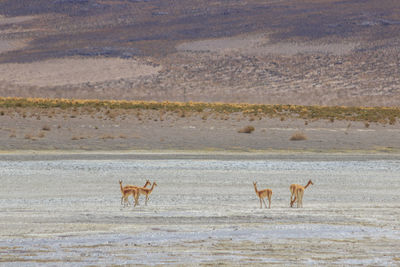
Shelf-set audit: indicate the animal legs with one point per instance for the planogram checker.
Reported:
(264, 203)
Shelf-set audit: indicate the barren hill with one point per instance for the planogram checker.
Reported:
(327, 52)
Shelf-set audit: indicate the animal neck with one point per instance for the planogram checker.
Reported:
(309, 182)
(151, 189)
(122, 189)
(255, 188)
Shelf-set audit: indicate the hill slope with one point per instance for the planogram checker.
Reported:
(326, 52)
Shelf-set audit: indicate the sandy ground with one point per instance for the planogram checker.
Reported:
(65, 209)
(81, 129)
(261, 45)
(73, 71)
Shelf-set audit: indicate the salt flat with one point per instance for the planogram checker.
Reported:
(204, 210)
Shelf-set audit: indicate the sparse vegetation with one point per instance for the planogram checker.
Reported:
(29, 137)
(247, 129)
(370, 114)
(107, 136)
(78, 138)
(299, 136)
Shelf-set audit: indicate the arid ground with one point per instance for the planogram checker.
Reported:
(59, 167)
(307, 52)
(64, 209)
(135, 129)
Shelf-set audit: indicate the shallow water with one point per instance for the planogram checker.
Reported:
(202, 211)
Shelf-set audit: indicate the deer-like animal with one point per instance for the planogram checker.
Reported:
(128, 190)
(262, 194)
(297, 193)
(146, 191)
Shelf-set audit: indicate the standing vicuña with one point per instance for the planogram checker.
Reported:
(131, 190)
(262, 194)
(146, 191)
(297, 191)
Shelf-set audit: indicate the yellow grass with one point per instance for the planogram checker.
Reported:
(367, 114)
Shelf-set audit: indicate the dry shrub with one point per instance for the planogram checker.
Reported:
(78, 137)
(298, 137)
(161, 114)
(366, 124)
(392, 120)
(46, 128)
(29, 137)
(12, 134)
(107, 137)
(41, 135)
(247, 129)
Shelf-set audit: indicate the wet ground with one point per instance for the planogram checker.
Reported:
(62, 209)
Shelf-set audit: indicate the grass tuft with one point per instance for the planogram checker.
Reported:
(247, 129)
(298, 137)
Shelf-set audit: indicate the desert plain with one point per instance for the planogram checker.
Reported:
(60, 167)
(65, 209)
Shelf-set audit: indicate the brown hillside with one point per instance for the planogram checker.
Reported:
(306, 52)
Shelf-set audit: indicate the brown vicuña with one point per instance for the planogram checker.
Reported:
(297, 192)
(146, 191)
(129, 185)
(262, 194)
(131, 190)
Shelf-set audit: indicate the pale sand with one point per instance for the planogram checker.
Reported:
(15, 20)
(56, 72)
(10, 45)
(261, 45)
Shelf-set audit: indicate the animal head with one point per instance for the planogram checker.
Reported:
(155, 184)
(120, 182)
(310, 182)
(147, 183)
(254, 183)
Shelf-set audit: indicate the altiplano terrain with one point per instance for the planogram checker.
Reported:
(305, 52)
(140, 129)
(204, 209)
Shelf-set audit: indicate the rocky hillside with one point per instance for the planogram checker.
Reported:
(326, 52)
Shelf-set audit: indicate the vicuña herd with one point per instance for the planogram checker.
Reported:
(135, 191)
(296, 193)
